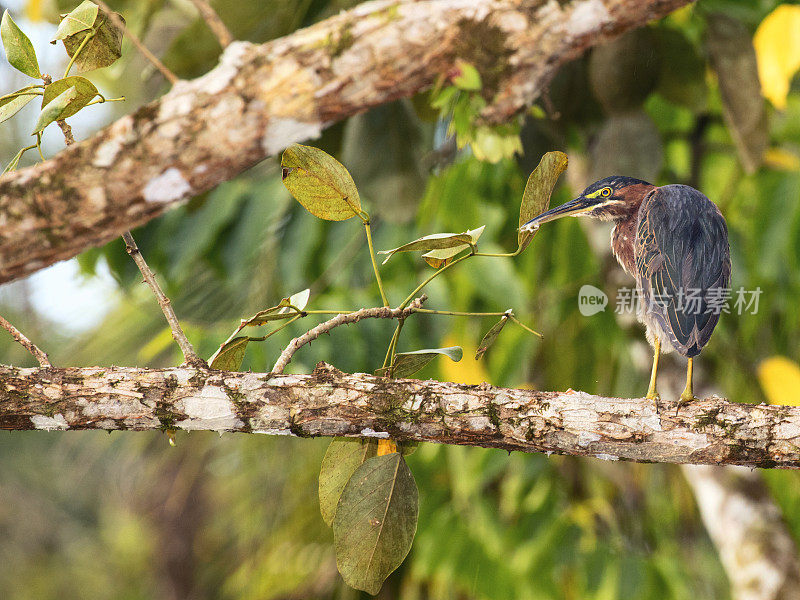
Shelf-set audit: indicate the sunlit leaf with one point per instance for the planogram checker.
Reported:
(780, 379)
(11, 104)
(320, 183)
(733, 59)
(407, 363)
(19, 49)
(782, 159)
(298, 300)
(375, 521)
(80, 19)
(85, 93)
(54, 109)
(343, 457)
(102, 49)
(536, 197)
(467, 77)
(229, 357)
(490, 337)
(777, 46)
(493, 144)
(437, 241)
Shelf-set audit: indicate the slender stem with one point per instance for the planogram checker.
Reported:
(525, 327)
(24, 93)
(120, 24)
(375, 264)
(85, 41)
(431, 278)
(453, 313)
(101, 99)
(277, 329)
(499, 255)
(214, 23)
(26, 343)
(390, 351)
(39, 145)
(189, 355)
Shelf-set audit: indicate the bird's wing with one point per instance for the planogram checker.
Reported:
(683, 263)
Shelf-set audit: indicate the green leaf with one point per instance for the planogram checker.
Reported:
(84, 88)
(491, 335)
(19, 50)
(320, 183)
(375, 521)
(437, 241)
(54, 109)
(80, 19)
(11, 104)
(468, 77)
(298, 300)
(281, 311)
(102, 49)
(733, 59)
(343, 457)
(229, 357)
(538, 190)
(407, 363)
(439, 258)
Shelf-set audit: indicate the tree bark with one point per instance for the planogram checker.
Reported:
(262, 98)
(331, 403)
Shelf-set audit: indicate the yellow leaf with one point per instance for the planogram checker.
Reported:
(781, 160)
(777, 45)
(33, 10)
(780, 379)
(468, 370)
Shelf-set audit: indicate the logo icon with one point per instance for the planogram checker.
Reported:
(591, 300)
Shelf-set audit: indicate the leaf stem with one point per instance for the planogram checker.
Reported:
(274, 331)
(39, 145)
(525, 327)
(85, 41)
(375, 264)
(436, 273)
(499, 255)
(460, 314)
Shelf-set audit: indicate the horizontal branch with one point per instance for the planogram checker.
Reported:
(331, 403)
(262, 98)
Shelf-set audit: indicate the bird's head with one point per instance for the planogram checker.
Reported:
(612, 198)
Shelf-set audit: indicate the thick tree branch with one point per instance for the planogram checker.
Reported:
(260, 99)
(329, 402)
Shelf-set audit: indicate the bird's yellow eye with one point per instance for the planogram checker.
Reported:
(605, 192)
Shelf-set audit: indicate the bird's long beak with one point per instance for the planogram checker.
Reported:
(571, 208)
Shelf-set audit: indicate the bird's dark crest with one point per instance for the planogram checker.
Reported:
(614, 181)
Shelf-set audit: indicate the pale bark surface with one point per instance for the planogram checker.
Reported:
(329, 402)
(262, 98)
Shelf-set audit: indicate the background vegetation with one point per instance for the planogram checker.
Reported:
(127, 516)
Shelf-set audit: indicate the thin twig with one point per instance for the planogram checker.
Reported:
(379, 312)
(69, 139)
(213, 21)
(120, 24)
(26, 343)
(189, 355)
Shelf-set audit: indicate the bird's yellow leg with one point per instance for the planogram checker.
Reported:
(688, 394)
(652, 394)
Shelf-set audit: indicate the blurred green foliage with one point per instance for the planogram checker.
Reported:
(126, 516)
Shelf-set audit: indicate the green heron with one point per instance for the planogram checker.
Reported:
(674, 241)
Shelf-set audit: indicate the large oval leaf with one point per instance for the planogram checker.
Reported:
(11, 104)
(375, 521)
(19, 49)
(102, 49)
(538, 190)
(320, 183)
(343, 457)
(229, 357)
(85, 93)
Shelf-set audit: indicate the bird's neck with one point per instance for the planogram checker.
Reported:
(623, 236)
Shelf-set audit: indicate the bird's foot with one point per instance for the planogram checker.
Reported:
(653, 395)
(685, 398)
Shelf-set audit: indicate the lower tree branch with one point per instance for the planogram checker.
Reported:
(262, 98)
(331, 403)
(189, 355)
